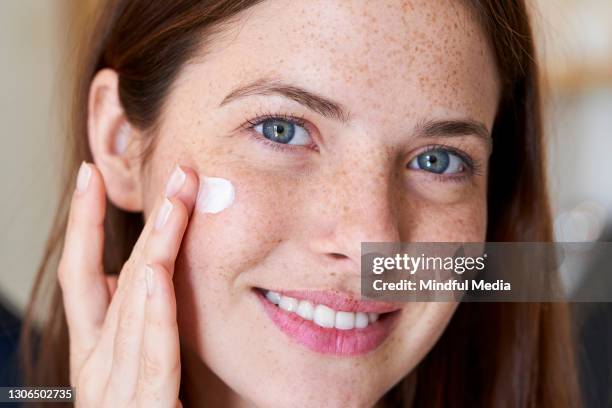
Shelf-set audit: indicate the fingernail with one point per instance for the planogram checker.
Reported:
(83, 177)
(149, 280)
(175, 182)
(163, 214)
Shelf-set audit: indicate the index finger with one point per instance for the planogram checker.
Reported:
(182, 185)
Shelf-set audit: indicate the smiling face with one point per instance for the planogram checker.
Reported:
(336, 123)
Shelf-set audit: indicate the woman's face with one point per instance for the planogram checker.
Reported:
(323, 115)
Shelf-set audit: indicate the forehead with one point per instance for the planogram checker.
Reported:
(379, 58)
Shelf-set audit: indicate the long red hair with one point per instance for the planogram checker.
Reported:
(491, 354)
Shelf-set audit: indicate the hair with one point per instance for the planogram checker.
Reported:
(491, 354)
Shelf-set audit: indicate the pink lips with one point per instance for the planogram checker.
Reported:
(331, 340)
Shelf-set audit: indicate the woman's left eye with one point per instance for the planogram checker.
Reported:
(283, 131)
(439, 161)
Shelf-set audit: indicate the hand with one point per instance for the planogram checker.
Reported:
(124, 344)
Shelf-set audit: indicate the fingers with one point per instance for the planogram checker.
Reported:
(80, 273)
(188, 188)
(160, 243)
(127, 281)
(168, 224)
(165, 240)
(182, 184)
(123, 377)
(160, 358)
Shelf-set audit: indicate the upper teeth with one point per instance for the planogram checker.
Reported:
(322, 315)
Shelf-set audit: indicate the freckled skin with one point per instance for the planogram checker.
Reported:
(390, 67)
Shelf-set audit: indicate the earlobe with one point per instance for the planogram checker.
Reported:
(113, 142)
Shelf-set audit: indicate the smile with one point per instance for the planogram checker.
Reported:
(330, 322)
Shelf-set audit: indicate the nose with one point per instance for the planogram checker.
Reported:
(355, 208)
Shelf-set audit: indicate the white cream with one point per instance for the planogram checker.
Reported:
(215, 195)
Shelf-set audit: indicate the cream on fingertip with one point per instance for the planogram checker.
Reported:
(215, 195)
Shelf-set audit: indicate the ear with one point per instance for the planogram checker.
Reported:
(114, 143)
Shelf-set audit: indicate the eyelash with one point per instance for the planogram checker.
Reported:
(473, 166)
(250, 124)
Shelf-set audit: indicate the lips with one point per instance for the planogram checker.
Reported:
(330, 322)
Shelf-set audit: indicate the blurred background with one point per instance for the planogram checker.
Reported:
(575, 41)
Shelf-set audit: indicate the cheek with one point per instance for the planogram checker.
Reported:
(237, 236)
(219, 249)
(465, 221)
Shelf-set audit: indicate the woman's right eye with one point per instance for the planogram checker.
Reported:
(283, 131)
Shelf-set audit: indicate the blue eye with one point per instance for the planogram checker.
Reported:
(439, 161)
(283, 131)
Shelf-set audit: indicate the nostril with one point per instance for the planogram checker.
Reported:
(338, 256)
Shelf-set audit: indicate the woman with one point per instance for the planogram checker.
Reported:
(246, 149)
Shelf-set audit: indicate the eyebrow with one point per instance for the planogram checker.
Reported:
(317, 103)
(334, 110)
(451, 128)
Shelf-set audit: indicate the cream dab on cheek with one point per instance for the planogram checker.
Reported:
(215, 195)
